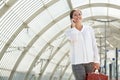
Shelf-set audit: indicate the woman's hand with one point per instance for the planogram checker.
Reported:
(96, 66)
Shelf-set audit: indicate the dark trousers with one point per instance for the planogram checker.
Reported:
(80, 70)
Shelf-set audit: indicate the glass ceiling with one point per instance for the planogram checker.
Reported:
(32, 40)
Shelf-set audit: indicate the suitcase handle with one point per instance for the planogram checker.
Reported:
(97, 71)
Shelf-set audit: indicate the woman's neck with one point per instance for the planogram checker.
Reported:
(79, 26)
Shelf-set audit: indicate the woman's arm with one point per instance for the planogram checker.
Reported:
(95, 49)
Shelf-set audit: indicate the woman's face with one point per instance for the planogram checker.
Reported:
(77, 16)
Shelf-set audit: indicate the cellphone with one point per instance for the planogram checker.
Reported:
(72, 21)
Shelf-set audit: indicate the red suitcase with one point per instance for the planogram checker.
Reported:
(96, 76)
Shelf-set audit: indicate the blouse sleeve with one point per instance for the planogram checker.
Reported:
(68, 34)
(71, 35)
(95, 48)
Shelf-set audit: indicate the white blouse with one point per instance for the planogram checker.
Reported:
(83, 48)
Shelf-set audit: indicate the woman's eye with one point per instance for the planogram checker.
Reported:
(75, 15)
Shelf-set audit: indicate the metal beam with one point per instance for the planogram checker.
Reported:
(40, 53)
(6, 7)
(65, 54)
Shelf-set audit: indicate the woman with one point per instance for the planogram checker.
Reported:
(84, 52)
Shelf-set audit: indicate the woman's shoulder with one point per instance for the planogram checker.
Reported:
(87, 26)
(67, 31)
